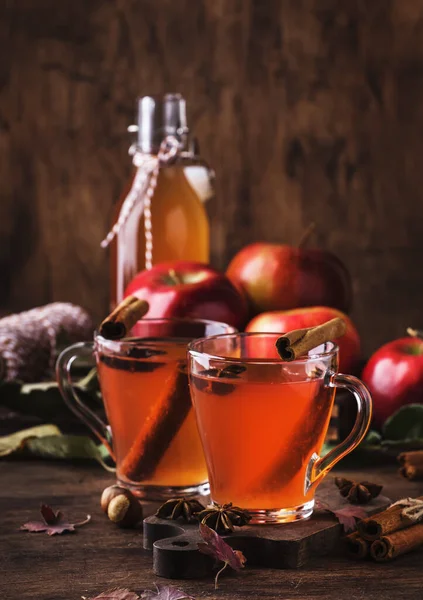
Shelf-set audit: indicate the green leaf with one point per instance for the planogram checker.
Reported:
(9, 391)
(89, 383)
(373, 438)
(16, 441)
(47, 441)
(403, 445)
(37, 399)
(68, 447)
(44, 399)
(405, 424)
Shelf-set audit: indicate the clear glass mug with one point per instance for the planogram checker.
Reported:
(263, 421)
(152, 434)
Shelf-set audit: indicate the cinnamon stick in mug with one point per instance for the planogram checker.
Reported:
(299, 342)
(397, 543)
(311, 426)
(160, 427)
(123, 318)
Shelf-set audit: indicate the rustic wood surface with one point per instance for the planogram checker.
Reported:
(308, 111)
(175, 551)
(101, 556)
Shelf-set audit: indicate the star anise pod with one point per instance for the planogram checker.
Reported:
(222, 518)
(180, 507)
(357, 493)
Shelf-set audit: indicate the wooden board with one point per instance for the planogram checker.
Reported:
(174, 543)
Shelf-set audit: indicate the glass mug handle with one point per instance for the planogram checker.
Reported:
(319, 466)
(71, 397)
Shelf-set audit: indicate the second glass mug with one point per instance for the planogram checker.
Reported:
(152, 433)
(263, 421)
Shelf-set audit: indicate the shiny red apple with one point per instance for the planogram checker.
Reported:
(394, 376)
(282, 277)
(189, 289)
(284, 321)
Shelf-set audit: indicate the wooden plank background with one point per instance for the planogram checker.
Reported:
(309, 110)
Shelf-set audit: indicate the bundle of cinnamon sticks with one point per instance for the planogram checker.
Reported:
(388, 534)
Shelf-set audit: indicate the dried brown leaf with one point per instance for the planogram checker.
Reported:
(214, 545)
(52, 523)
(346, 515)
(166, 592)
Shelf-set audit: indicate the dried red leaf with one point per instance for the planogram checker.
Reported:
(346, 516)
(52, 523)
(214, 545)
(166, 592)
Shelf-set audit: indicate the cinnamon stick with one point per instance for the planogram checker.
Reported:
(411, 464)
(384, 523)
(299, 342)
(397, 543)
(123, 318)
(356, 546)
(303, 439)
(160, 427)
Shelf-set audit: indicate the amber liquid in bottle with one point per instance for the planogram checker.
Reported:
(180, 224)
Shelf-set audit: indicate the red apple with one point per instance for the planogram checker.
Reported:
(394, 376)
(281, 277)
(189, 289)
(283, 321)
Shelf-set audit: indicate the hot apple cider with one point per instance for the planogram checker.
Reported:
(260, 436)
(146, 395)
(144, 384)
(263, 404)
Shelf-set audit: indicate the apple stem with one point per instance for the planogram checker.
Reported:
(415, 332)
(306, 235)
(174, 276)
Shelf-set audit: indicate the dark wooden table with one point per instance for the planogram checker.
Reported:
(101, 556)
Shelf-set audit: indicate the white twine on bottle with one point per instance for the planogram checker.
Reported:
(413, 508)
(142, 190)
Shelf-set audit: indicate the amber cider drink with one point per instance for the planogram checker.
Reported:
(144, 384)
(146, 395)
(263, 420)
(261, 435)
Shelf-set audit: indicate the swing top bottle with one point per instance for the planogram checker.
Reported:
(172, 223)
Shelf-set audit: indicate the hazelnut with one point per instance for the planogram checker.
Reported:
(108, 494)
(125, 510)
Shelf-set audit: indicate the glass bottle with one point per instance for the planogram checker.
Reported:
(175, 219)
